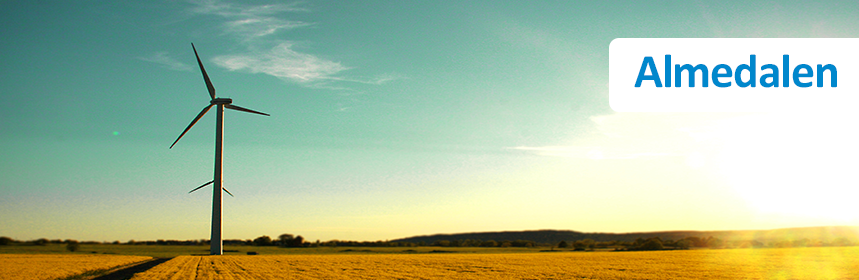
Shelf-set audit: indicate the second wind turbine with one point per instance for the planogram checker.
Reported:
(217, 243)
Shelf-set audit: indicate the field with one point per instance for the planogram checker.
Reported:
(785, 263)
(423, 263)
(49, 266)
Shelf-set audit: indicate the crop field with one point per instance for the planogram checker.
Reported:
(785, 263)
(48, 266)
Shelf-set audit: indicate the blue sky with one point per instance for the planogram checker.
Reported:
(394, 118)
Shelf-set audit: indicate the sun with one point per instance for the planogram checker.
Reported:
(792, 165)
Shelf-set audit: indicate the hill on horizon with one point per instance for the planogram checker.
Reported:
(826, 234)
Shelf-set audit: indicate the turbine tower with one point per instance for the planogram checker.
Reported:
(217, 243)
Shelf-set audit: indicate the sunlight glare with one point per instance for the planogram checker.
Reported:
(795, 165)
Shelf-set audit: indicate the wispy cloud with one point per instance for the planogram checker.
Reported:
(229, 9)
(638, 135)
(283, 62)
(591, 152)
(166, 61)
(256, 27)
(376, 80)
(252, 28)
(250, 22)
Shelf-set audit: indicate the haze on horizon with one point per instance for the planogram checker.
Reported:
(395, 119)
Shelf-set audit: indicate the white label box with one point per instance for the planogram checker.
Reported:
(733, 74)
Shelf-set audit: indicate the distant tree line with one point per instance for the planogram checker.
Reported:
(656, 243)
(42, 241)
(287, 240)
(284, 240)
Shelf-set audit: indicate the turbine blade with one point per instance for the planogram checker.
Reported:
(228, 192)
(205, 76)
(200, 115)
(234, 107)
(200, 187)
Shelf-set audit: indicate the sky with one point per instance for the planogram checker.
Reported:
(392, 119)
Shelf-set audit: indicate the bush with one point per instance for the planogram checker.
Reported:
(72, 245)
(262, 241)
(683, 244)
(563, 244)
(6, 240)
(651, 244)
(286, 239)
(298, 241)
(522, 243)
(716, 243)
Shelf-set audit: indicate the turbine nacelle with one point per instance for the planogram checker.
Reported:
(218, 101)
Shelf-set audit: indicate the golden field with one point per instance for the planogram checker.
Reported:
(784, 263)
(46, 266)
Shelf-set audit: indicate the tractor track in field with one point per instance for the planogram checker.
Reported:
(128, 271)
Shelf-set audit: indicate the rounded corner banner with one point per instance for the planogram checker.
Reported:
(733, 74)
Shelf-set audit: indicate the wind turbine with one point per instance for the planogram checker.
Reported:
(217, 243)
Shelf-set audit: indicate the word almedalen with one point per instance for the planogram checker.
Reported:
(722, 73)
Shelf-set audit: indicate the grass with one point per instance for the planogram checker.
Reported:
(169, 251)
